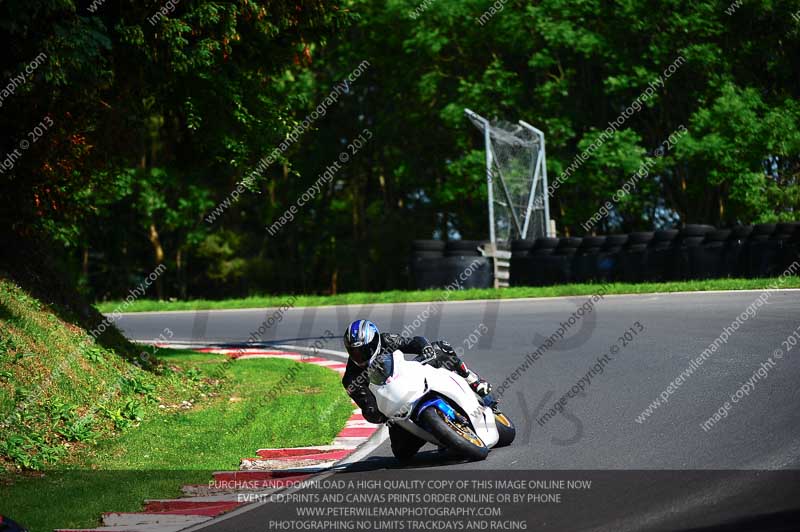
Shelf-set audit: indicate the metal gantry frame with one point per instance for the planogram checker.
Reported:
(487, 139)
(540, 172)
(541, 164)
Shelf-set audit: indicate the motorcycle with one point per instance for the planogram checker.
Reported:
(437, 405)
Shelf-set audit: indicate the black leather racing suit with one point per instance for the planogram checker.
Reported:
(438, 354)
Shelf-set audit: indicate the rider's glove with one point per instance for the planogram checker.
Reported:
(482, 388)
(428, 354)
(478, 385)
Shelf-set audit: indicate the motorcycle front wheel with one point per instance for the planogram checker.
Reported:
(455, 435)
(505, 429)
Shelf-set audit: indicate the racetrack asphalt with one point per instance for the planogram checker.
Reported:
(598, 429)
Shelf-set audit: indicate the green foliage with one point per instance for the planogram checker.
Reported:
(156, 125)
(609, 167)
(193, 374)
(81, 430)
(151, 121)
(94, 354)
(729, 140)
(126, 415)
(150, 461)
(222, 251)
(57, 387)
(137, 385)
(29, 450)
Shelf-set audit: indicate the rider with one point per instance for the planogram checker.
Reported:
(363, 340)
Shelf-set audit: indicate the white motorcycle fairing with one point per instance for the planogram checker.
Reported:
(411, 382)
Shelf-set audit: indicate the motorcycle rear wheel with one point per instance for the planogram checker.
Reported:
(456, 436)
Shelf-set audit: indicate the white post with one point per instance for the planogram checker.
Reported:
(536, 172)
(489, 160)
(548, 229)
(551, 232)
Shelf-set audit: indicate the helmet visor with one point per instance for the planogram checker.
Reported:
(360, 353)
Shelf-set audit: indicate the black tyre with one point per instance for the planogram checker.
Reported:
(456, 436)
(523, 246)
(656, 245)
(718, 235)
(427, 245)
(763, 229)
(588, 251)
(464, 245)
(613, 241)
(426, 254)
(544, 242)
(786, 228)
(462, 253)
(796, 235)
(569, 242)
(404, 444)
(469, 272)
(635, 247)
(696, 229)
(784, 231)
(640, 237)
(566, 251)
(593, 241)
(505, 428)
(692, 241)
(739, 232)
(665, 235)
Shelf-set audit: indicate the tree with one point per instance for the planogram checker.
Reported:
(151, 115)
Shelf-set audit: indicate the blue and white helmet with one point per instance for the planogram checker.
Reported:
(362, 339)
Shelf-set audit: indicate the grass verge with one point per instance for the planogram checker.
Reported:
(183, 444)
(84, 431)
(401, 296)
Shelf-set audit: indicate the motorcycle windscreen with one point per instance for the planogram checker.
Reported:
(381, 368)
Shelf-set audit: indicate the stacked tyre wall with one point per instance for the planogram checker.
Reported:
(694, 252)
(456, 264)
